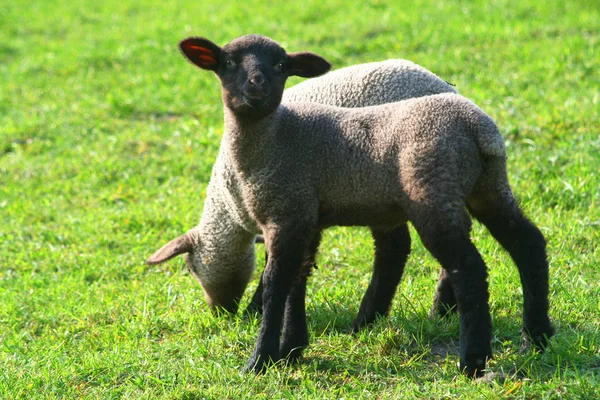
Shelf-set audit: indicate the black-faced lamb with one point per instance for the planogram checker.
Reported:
(360, 86)
(222, 240)
(301, 167)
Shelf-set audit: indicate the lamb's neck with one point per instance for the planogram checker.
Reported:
(223, 238)
(248, 140)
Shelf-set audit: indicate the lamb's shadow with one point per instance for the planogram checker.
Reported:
(572, 346)
(438, 340)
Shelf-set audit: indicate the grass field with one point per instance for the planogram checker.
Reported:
(107, 140)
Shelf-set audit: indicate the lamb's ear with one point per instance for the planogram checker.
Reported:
(183, 244)
(307, 65)
(201, 52)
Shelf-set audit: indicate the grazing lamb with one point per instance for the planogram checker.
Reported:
(360, 86)
(301, 167)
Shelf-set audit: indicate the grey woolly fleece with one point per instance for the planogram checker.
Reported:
(369, 85)
(223, 240)
(377, 166)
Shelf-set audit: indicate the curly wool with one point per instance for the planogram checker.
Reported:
(369, 84)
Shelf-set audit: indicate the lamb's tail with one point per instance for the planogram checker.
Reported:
(492, 151)
(487, 135)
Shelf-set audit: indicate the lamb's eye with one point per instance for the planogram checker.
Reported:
(279, 66)
(229, 64)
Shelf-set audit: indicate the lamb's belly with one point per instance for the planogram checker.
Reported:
(366, 195)
(380, 215)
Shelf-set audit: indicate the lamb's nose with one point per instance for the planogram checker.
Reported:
(257, 80)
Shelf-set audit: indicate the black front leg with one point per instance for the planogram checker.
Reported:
(294, 338)
(286, 248)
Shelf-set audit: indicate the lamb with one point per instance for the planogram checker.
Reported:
(360, 86)
(298, 168)
(230, 265)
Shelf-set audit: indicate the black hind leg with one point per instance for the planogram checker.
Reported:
(446, 236)
(392, 248)
(255, 305)
(444, 300)
(527, 247)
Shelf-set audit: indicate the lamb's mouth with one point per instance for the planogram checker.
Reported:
(254, 100)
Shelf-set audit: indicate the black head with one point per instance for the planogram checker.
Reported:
(253, 70)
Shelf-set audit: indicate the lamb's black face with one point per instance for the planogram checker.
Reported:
(253, 70)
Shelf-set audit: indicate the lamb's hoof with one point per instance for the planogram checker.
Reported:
(472, 364)
(363, 321)
(536, 338)
(258, 364)
(292, 353)
(358, 324)
(442, 310)
(473, 369)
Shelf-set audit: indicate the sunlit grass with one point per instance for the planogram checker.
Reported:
(107, 140)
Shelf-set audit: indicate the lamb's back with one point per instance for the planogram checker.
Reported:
(377, 158)
(369, 84)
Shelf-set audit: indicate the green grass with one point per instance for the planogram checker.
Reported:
(107, 139)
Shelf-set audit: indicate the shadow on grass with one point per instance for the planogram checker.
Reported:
(573, 350)
(403, 338)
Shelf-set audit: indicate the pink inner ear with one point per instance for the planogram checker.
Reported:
(201, 53)
(199, 48)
